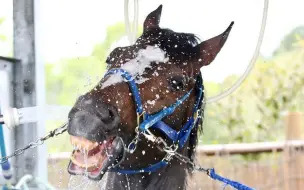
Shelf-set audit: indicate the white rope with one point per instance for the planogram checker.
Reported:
(127, 21)
(251, 64)
(135, 21)
(131, 31)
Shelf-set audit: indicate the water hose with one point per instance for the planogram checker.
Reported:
(132, 35)
(6, 167)
(238, 83)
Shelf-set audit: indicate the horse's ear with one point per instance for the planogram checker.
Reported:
(210, 48)
(153, 19)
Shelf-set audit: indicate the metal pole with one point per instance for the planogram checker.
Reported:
(26, 93)
(40, 86)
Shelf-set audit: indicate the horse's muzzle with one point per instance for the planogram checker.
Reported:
(94, 123)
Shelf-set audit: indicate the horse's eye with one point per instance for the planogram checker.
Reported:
(177, 83)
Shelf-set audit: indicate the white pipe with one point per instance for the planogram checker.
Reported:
(13, 117)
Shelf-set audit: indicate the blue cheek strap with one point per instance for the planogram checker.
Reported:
(147, 122)
(178, 138)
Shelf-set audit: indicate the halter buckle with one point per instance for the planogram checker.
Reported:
(140, 117)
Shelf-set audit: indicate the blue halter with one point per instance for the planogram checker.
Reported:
(179, 138)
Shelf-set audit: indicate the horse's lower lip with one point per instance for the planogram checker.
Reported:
(91, 159)
(97, 161)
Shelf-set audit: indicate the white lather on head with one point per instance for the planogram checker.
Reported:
(137, 66)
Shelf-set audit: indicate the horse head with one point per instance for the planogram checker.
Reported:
(110, 125)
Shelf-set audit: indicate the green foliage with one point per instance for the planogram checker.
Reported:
(290, 39)
(255, 111)
(72, 77)
(69, 78)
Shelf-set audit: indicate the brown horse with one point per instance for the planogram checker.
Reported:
(164, 65)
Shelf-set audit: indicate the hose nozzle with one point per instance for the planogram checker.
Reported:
(10, 118)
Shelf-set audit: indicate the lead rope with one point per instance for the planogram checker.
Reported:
(251, 64)
(212, 174)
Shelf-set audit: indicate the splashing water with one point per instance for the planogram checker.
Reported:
(82, 183)
(85, 156)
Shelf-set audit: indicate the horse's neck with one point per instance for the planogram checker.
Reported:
(174, 176)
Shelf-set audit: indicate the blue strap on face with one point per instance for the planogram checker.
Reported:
(180, 137)
(154, 121)
(132, 85)
(168, 131)
(151, 168)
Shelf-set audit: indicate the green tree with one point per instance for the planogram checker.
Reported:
(254, 111)
(288, 43)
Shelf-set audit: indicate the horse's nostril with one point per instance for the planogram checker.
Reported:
(110, 118)
(108, 114)
(111, 114)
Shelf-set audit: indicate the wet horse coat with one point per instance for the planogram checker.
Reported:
(164, 65)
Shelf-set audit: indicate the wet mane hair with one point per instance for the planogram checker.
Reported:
(178, 46)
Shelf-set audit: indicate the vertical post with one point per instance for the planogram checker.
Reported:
(26, 91)
(40, 88)
(294, 161)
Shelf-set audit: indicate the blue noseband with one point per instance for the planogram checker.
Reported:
(147, 122)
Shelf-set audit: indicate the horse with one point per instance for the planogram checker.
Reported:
(146, 110)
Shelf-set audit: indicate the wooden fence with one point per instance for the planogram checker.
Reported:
(271, 166)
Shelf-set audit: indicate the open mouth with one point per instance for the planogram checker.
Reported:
(93, 159)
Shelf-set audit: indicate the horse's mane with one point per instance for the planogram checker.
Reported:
(179, 46)
(193, 139)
